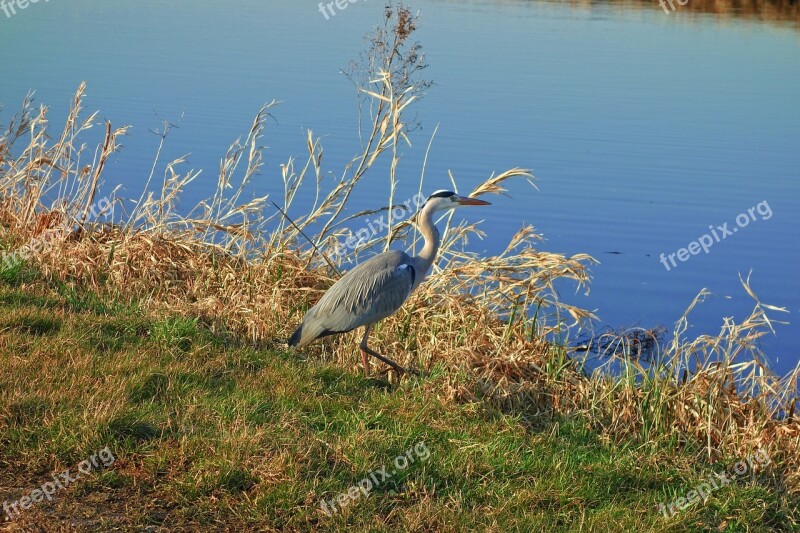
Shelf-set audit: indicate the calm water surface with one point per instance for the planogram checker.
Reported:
(642, 127)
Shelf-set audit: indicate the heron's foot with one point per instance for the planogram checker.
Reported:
(399, 370)
(366, 350)
(413, 371)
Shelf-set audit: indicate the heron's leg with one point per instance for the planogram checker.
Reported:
(365, 362)
(366, 349)
(363, 345)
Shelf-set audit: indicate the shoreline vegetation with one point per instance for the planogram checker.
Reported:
(158, 333)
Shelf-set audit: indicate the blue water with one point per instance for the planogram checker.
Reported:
(643, 128)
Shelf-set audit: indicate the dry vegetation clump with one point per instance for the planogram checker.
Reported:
(715, 390)
(486, 322)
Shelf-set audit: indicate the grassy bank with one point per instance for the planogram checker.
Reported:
(208, 432)
(157, 334)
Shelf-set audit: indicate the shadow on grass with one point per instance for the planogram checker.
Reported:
(133, 428)
(34, 324)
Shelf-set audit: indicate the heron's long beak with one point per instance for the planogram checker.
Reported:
(463, 200)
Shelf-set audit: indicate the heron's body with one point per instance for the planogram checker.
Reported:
(348, 304)
(378, 287)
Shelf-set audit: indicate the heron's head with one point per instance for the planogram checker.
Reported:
(442, 200)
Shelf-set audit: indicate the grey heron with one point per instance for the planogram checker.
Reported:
(378, 287)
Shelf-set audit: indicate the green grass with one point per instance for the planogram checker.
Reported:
(211, 433)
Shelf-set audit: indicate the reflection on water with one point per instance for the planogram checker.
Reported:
(766, 10)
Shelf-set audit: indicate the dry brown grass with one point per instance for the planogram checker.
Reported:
(483, 321)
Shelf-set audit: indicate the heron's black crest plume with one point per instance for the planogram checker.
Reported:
(441, 194)
(316, 249)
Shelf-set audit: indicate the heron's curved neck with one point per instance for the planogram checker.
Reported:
(431, 235)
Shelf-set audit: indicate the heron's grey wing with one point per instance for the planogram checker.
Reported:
(370, 292)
